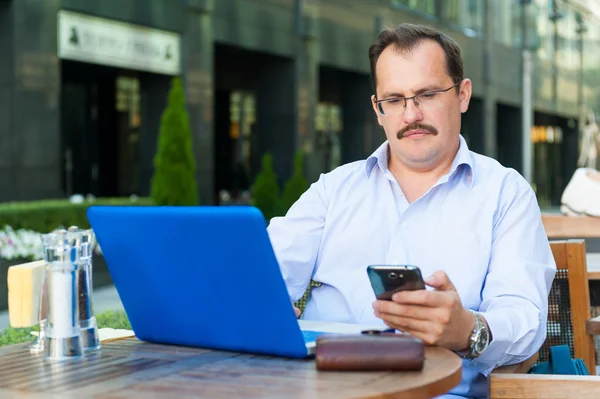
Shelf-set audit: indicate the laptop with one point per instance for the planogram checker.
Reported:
(204, 276)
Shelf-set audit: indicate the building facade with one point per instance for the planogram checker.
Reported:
(84, 84)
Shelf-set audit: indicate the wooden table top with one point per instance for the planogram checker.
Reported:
(562, 226)
(129, 368)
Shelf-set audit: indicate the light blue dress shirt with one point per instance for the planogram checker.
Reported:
(480, 223)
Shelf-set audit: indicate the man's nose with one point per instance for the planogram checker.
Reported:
(412, 113)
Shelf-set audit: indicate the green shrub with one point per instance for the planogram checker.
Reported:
(108, 319)
(295, 186)
(46, 215)
(174, 182)
(265, 190)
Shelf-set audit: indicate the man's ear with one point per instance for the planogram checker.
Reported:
(465, 95)
(373, 99)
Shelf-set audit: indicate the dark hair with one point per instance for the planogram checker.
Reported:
(407, 36)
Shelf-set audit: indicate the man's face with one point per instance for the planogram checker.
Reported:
(420, 137)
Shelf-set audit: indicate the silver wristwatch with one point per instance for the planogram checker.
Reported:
(480, 337)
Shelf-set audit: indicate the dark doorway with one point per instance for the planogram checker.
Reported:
(349, 121)
(508, 122)
(100, 121)
(554, 142)
(554, 156)
(235, 154)
(472, 125)
(254, 114)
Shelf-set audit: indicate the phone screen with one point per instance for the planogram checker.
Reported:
(389, 279)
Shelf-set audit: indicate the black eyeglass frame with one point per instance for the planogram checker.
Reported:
(380, 108)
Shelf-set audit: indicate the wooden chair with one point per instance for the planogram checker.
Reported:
(561, 227)
(569, 303)
(569, 323)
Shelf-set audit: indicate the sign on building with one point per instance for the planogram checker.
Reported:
(102, 41)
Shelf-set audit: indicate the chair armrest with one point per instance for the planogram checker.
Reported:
(592, 326)
(519, 368)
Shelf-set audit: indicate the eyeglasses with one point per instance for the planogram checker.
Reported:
(430, 100)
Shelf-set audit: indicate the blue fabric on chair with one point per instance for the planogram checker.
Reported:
(560, 362)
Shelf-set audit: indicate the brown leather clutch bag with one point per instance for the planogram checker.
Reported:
(362, 352)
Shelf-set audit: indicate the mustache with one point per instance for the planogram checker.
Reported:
(416, 126)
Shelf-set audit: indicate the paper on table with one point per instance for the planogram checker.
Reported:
(338, 328)
(107, 334)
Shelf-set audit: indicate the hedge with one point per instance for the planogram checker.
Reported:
(46, 215)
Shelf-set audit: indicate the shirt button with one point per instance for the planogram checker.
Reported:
(405, 224)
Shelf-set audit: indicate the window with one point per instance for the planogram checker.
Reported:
(591, 46)
(466, 13)
(425, 6)
(508, 22)
(567, 46)
(328, 125)
(242, 116)
(548, 163)
(544, 29)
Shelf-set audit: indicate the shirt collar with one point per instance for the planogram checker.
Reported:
(379, 157)
(463, 157)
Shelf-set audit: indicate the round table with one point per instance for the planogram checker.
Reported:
(135, 369)
(441, 372)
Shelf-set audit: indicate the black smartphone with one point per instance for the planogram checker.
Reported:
(389, 279)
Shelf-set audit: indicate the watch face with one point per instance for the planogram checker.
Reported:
(482, 341)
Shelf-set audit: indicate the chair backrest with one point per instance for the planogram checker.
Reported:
(569, 303)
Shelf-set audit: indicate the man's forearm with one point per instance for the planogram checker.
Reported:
(516, 333)
(468, 321)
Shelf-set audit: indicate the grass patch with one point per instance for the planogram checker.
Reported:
(17, 335)
(110, 319)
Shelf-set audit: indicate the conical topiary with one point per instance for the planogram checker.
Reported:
(265, 190)
(295, 186)
(174, 182)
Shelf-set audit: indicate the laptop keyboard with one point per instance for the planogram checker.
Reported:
(310, 336)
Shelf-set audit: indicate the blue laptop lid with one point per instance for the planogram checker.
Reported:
(198, 276)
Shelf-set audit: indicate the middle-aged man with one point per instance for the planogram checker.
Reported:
(422, 198)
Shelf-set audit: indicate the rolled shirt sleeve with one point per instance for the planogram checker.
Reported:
(296, 238)
(519, 278)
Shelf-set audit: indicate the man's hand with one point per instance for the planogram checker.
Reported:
(297, 312)
(436, 317)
